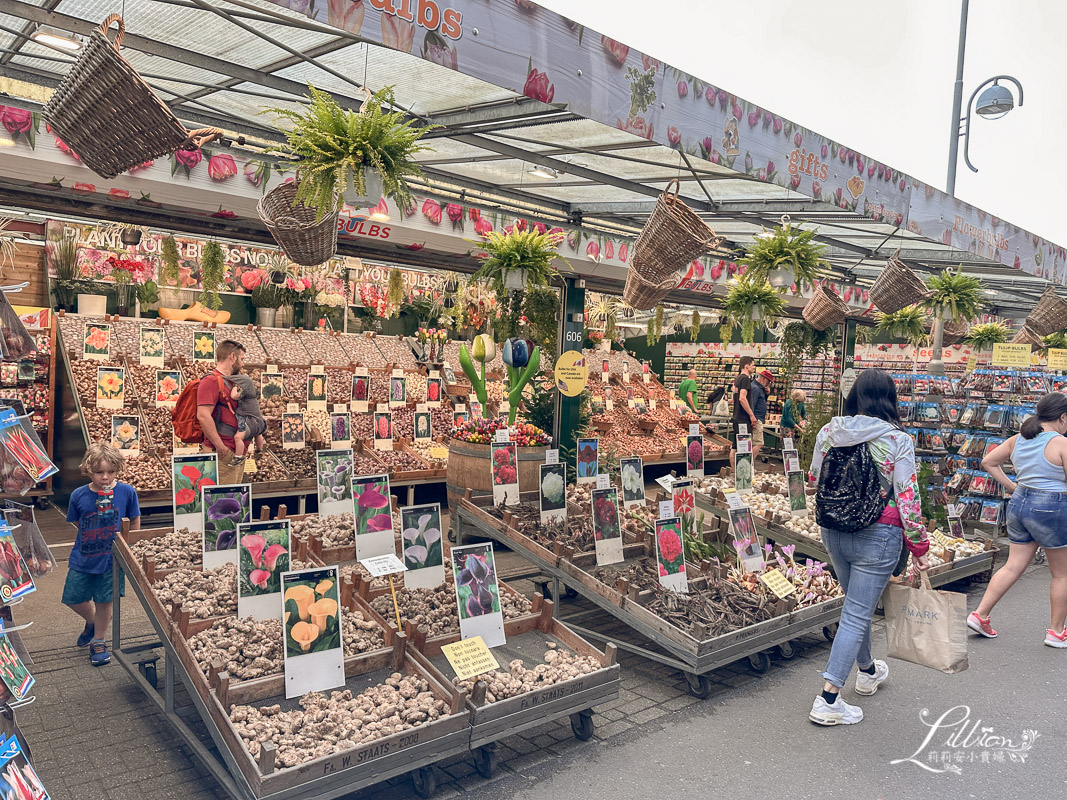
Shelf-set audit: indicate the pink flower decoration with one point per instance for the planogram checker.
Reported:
(431, 209)
(188, 158)
(270, 557)
(539, 87)
(221, 167)
(617, 49)
(259, 577)
(593, 250)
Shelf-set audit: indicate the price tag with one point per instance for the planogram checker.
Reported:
(972, 360)
(470, 658)
(436, 373)
(272, 368)
(398, 373)
(340, 408)
(694, 429)
(383, 565)
(666, 509)
(609, 404)
(422, 408)
(733, 499)
(361, 371)
(603, 481)
(667, 482)
(744, 443)
(503, 435)
(381, 407)
(461, 408)
(646, 378)
(742, 429)
(292, 408)
(787, 443)
(792, 464)
(652, 404)
(439, 453)
(552, 456)
(318, 369)
(777, 582)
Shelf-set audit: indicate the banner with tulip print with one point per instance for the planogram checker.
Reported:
(374, 518)
(333, 476)
(189, 475)
(423, 548)
(553, 492)
(264, 550)
(504, 465)
(670, 555)
(204, 346)
(311, 616)
(478, 593)
(223, 508)
(151, 347)
(607, 527)
(96, 343)
(126, 434)
(633, 482)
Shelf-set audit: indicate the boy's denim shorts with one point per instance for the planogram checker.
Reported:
(1036, 515)
(81, 587)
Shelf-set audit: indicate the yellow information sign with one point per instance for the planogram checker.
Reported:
(777, 583)
(1006, 354)
(469, 657)
(1057, 359)
(572, 373)
(972, 362)
(438, 452)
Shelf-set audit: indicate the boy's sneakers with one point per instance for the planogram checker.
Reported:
(838, 713)
(868, 684)
(1053, 639)
(86, 635)
(98, 654)
(979, 625)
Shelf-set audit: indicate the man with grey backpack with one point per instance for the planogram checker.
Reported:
(867, 506)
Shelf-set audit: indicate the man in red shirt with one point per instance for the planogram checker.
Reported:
(216, 410)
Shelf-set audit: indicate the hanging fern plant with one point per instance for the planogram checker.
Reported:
(394, 294)
(908, 323)
(609, 328)
(212, 274)
(650, 332)
(659, 322)
(694, 326)
(984, 336)
(170, 274)
(746, 297)
(954, 297)
(785, 248)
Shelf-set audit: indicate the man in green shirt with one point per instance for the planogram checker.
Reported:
(688, 390)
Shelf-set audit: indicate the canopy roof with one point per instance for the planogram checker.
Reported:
(221, 62)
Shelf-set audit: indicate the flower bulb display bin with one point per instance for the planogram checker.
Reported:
(220, 705)
(469, 468)
(689, 649)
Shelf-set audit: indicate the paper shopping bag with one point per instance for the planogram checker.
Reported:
(927, 627)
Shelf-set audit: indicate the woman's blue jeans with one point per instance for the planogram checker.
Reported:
(864, 562)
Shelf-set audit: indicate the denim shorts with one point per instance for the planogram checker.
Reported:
(81, 587)
(1036, 515)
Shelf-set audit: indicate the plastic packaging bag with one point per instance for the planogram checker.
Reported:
(29, 539)
(21, 441)
(18, 343)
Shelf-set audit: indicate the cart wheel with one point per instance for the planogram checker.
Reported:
(485, 760)
(452, 535)
(786, 651)
(759, 663)
(582, 725)
(698, 685)
(425, 781)
(150, 674)
(830, 631)
(569, 593)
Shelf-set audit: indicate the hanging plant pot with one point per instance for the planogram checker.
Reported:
(515, 280)
(373, 184)
(756, 314)
(130, 237)
(451, 286)
(278, 277)
(780, 277)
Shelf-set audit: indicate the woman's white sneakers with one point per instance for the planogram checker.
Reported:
(868, 684)
(1053, 639)
(838, 713)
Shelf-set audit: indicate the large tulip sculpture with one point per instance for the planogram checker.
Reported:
(521, 357)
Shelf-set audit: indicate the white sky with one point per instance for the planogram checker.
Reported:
(879, 78)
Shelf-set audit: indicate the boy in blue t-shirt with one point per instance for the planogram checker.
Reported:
(97, 510)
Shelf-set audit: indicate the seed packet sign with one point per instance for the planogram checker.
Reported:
(553, 492)
(272, 385)
(96, 343)
(374, 520)
(168, 388)
(746, 540)
(361, 391)
(126, 434)
(670, 555)
(264, 550)
(588, 460)
(15, 577)
(19, 438)
(694, 456)
(333, 476)
(955, 527)
(151, 349)
(383, 430)
(504, 463)
(316, 393)
(398, 390)
(422, 426)
(798, 499)
(17, 679)
(110, 387)
(311, 610)
(791, 460)
(423, 548)
(684, 504)
(17, 773)
(476, 409)
(478, 593)
(340, 430)
(607, 529)
(293, 431)
(224, 508)
(633, 482)
(189, 475)
(204, 346)
(743, 465)
(435, 390)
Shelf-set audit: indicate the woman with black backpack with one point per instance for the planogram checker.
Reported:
(868, 508)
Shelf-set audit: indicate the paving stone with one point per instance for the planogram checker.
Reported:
(613, 729)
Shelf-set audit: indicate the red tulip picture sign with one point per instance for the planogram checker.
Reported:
(435, 390)
(383, 430)
(505, 471)
(190, 474)
(263, 555)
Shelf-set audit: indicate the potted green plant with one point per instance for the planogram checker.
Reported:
(748, 300)
(783, 256)
(909, 324)
(984, 336)
(147, 299)
(517, 260)
(62, 252)
(954, 297)
(171, 294)
(344, 156)
(267, 299)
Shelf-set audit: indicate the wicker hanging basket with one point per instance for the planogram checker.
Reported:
(305, 240)
(642, 294)
(1028, 335)
(897, 287)
(109, 116)
(824, 309)
(955, 332)
(673, 236)
(1049, 315)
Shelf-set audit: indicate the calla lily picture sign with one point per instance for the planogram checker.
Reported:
(264, 553)
(423, 548)
(223, 509)
(373, 515)
(478, 593)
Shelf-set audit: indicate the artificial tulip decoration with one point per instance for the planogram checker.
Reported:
(484, 350)
(522, 358)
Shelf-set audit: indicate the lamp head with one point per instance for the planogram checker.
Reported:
(994, 102)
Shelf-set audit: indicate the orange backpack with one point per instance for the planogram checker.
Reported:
(186, 425)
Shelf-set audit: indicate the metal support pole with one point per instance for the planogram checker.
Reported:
(937, 366)
(848, 363)
(570, 338)
(957, 104)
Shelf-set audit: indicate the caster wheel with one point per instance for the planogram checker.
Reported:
(830, 631)
(786, 651)
(425, 781)
(698, 685)
(569, 593)
(150, 674)
(485, 761)
(759, 663)
(582, 725)
(452, 535)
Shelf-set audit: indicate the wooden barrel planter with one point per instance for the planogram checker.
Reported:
(468, 468)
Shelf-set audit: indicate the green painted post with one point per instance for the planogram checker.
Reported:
(572, 322)
(848, 364)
